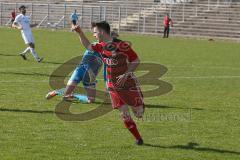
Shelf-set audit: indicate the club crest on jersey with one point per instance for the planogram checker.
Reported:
(114, 46)
(111, 46)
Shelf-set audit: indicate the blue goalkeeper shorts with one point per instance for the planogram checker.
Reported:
(88, 69)
(84, 74)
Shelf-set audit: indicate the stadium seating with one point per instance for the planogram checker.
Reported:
(214, 18)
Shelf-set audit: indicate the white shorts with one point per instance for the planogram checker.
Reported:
(27, 37)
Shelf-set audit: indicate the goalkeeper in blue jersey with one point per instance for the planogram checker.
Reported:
(86, 71)
(74, 17)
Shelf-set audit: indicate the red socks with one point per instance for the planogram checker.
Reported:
(131, 126)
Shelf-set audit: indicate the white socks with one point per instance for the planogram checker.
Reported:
(34, 54)
(25, 51)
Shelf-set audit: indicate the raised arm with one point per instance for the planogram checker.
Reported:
(83, 39)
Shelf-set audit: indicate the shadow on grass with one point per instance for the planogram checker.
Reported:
(77, 102)
(49, 62)
(31, 74)
(25, 111)
(166, 107)
(75, 63)
(192, 146)
(147, 105)
(9, 55)
(46, 62)
(30, 111)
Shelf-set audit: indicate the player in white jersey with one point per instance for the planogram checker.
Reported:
(22, 22)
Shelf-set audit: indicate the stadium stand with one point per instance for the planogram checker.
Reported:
(213, 18)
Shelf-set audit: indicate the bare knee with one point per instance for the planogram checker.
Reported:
(138, 111)
(124, 113)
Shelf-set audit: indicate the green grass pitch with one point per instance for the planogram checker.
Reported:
(198, 119)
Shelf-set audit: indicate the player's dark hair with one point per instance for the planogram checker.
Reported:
(102, 25)
(21, 7)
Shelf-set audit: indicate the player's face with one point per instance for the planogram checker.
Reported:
(97, 34)
(23, 10)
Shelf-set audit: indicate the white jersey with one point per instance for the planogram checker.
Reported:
(24, 21)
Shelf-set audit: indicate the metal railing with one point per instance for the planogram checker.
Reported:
(134, 16)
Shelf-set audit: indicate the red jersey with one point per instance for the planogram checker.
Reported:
(13, 15)
(167, 21)
(116, 55)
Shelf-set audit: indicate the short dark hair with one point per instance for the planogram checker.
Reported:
(102, 25)
(21, 7)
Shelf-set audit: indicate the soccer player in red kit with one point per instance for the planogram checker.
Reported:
(13, 16)
(120, 61)
(167, 21)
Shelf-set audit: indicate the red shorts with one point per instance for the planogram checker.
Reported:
(132, 97)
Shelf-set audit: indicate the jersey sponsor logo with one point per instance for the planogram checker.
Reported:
(110, 61)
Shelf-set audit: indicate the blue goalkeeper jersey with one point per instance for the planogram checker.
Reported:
(74, 16)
